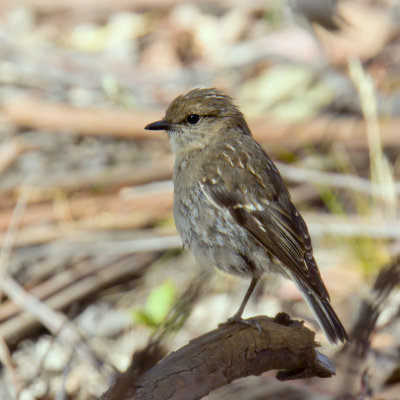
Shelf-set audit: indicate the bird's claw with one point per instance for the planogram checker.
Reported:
(236, 319)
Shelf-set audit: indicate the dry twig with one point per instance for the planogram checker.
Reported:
(333, 180)
(34, 310)
(39, 114)
(10, 151)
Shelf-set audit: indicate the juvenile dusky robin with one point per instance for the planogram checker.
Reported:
(231, 206)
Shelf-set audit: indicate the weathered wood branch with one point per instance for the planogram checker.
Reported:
(228, 353)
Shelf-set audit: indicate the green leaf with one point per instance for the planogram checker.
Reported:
(158, 304)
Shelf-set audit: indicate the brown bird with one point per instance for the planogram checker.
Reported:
(231, 206)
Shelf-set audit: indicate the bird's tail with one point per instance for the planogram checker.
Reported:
(324, 314)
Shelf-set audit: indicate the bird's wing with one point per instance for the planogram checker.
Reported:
(261, 204)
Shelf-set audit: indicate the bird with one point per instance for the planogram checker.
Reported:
(231, 206)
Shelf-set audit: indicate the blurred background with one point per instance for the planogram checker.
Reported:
(91, 267)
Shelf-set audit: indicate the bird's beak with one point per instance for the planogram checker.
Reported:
(162, 125)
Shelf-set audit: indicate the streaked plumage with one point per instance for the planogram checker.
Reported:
(231, 206)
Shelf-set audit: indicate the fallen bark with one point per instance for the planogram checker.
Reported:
(228, 353)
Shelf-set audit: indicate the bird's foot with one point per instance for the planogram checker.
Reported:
(237, 319)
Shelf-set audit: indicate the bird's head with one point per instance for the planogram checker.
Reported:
(197, 118)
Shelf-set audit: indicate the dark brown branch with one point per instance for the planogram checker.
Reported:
(228, 353)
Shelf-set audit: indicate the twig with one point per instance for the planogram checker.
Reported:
(330, 179)
(352, 225)
(39, 114)
(62, 117)
(320, 224)
(96, 211)
(130, 246)
(380, 168)
(91, 213)
(110, 179)
(5, 255)
(12, 229)
(63, 282)
(10, 151)
(36, 310)
(55, 322)
(350, 131)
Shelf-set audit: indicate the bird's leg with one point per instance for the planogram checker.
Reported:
(237, 317)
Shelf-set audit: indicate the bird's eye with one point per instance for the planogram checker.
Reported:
(193, 119)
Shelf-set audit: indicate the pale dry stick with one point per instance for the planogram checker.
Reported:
(71, 285)
(318, 224)
(34, 112)
(12, 229)
(134, 246)
(55, 322)
(5, 254)
(384, 229)
(109, 273)
(351, 226)
(43, 234)
(10, 151)
(153, 187)
(334, 180)
(94, 211)
(380, 168)
(293, 174)
(90, 214)
(111, 177)
(39, 114)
